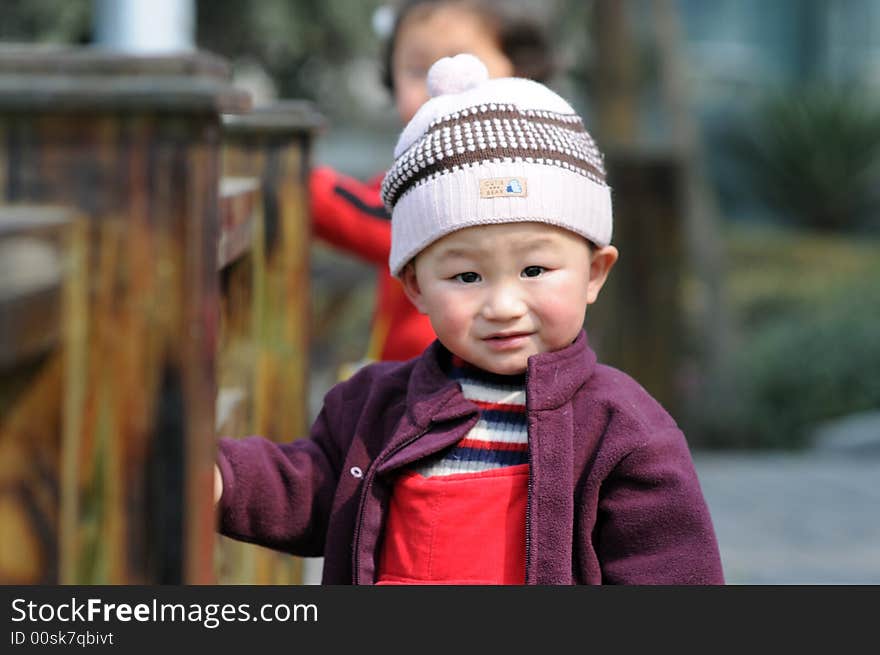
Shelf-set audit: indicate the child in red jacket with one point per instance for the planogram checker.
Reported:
(348, 213)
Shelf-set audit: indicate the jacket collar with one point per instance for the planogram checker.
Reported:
(551, 380)
(432, 395)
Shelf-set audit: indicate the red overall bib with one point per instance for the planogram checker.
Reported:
(467, 528)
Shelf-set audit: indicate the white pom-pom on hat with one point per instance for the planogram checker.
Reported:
(456, 74)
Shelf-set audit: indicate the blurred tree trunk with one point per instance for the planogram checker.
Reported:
(614, 73)
(705, 280)
(637, 326)
(661, 318)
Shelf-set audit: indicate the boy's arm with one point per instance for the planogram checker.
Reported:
(653, 524)
(278, 495)
(350, 215)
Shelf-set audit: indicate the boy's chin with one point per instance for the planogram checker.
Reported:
(515, 366)
(510, 371)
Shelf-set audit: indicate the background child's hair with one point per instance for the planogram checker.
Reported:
(521, 38)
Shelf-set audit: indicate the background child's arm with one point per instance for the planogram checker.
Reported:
(350, 215)
(654, 526)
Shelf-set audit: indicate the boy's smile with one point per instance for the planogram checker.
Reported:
(498, 294)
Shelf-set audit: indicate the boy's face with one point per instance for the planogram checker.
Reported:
(433, 34)
(497, 294)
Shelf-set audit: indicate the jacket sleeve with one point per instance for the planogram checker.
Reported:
(350, 215)
(654, 527)
(279, 495)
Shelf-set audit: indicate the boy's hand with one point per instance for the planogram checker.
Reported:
(218, 484)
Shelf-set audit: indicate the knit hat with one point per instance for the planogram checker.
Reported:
(484, 151)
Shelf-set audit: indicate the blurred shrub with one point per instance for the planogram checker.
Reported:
(795, 374)
(809, 348)
(813, 157)
(787, 273)
(46, 21)
(302, 45)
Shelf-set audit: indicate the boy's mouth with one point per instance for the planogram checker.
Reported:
(506, 340)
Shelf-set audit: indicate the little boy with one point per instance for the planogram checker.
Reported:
(504, 454)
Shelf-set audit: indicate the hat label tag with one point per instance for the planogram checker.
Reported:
(503, 187)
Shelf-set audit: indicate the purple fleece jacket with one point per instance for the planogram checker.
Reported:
(613, 494)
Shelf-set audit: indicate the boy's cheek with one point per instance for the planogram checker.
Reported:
(451, 324)
(563, 320)
(449, 319)
(569, 296)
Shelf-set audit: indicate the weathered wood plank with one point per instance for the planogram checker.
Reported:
(41, 255)
(31, 242)
(90, 79)
(240, 200)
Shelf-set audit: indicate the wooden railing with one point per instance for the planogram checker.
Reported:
(264, 360)
(171, 271)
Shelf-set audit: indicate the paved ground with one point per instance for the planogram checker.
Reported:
(811, 518)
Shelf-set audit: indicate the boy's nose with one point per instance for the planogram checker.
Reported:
(503, 302)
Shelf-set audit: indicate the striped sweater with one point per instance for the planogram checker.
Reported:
(500, 436)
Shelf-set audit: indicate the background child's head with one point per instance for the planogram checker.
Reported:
(498, 193)
(428, 30)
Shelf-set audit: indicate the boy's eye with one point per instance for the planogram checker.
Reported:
(533, 271)
(468, 278)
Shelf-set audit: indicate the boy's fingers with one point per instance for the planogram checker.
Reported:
(218, 484)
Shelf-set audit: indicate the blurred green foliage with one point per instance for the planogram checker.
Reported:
(808, 349)
(812, 156)
(302, 45)
(46, 21)
(297, 43)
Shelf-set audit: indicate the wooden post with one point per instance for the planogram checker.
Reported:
(133, 145)
(272, 146)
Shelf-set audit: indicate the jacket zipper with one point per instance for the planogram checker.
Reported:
(529, 487)
(368, 482)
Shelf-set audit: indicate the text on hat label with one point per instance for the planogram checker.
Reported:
(502, 187)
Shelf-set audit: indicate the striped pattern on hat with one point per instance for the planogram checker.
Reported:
(494, 132)
(500, 436)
